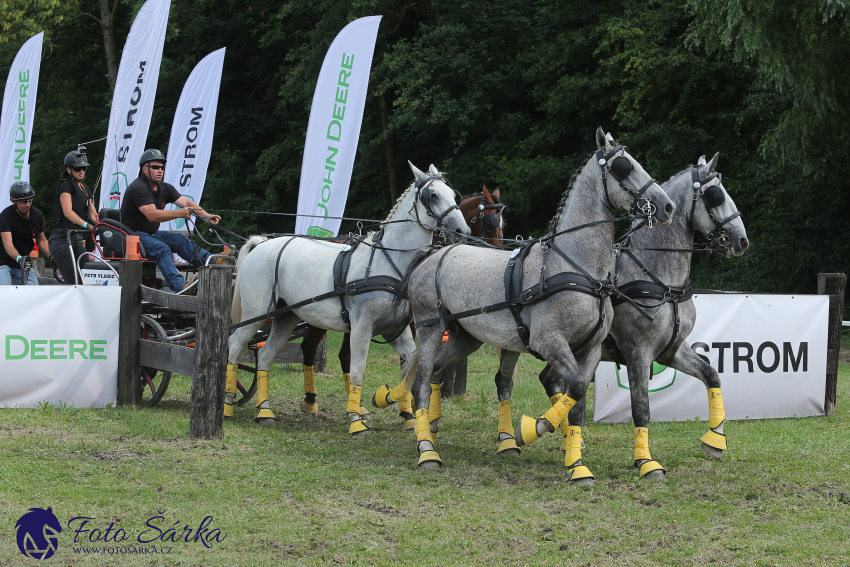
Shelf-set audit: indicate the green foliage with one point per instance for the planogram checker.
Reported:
(505, 93)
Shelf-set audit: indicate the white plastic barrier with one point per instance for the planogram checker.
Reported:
(59, 344)
(769, 350)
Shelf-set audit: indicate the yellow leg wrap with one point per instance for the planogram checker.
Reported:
(230, 390)
(642, 444)
(564, 424)
(379, 400)
(346, 377)
(399, 393)
(263, 409)
(423, 426)
(559, 410)
(505, 425)
(572, 440)
(714, 439)
(716, 414)
(353, 405)
(428, 457)
(436, 404)
(406, 404)
(309, 380)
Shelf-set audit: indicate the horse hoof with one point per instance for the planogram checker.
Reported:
(582, 482)
(712, 452)
(510, 452)
(430, 465)
(655, 475)
(360, 434)
(266, 421)
(309, 409)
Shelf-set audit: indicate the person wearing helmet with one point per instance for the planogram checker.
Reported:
(73, 209)
(143, 209)
(20, 225)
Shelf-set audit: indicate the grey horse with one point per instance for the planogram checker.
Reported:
(304, 275)
(566, 329)
(658, 280)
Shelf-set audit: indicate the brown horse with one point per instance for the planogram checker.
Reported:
(484, 215)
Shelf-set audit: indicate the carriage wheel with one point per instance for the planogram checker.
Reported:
(154, 382)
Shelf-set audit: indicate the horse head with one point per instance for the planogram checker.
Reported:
(436, 198)
(484, 213)
(637, 192)
(713, 212)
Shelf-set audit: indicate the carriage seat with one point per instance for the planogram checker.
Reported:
(113, 235)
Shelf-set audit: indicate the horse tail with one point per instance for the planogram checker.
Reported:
(401, 291)
(236, 306)
(408, 371)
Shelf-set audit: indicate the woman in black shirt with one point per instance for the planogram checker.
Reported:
(73, 209)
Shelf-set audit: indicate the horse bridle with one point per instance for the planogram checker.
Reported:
(712, 197)
(423, 194)
(488, 219)
(620, 168)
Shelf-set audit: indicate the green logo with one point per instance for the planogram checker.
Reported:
(319, 231)
(665, 378)
(18, 347)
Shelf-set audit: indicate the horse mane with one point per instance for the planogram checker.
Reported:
(553, 224)
(686, 170)
(398, 202)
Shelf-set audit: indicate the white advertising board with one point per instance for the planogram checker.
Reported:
(769, 350)
(61, 346)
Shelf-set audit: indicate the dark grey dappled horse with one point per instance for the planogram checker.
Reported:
(565, 329)
(658, 282)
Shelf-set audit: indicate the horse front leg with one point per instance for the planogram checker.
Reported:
(282, 327)
(423, 360)
(309, 346)
(576, 414)
(459, 345)
(360, 337)
(639, 362)
(504, 387)
(689, 362)
(237, 344)
(405, 346)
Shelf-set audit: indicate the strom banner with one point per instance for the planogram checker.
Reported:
(17, 116)
(61, 348)
(190, 145)
(334, 128)
(769, 350)
(132, 101)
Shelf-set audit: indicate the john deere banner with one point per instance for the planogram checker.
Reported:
(17, 116)
(190, 145)
(770, 352)
(62, 347)
(334, 128)
(132, 101)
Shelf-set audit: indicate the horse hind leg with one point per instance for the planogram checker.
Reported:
(689, 362)
(237, 344)
(504, 386)
(459, 345)
(282, 327)
(345, 363)
(309, 346)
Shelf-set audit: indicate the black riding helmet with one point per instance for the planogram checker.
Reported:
(21, 191)
(75, 159)
(151, 155)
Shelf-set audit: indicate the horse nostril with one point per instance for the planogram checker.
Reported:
(668, 208)
(744, 243)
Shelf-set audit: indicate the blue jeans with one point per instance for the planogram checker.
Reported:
(162, 244)
(12, 276)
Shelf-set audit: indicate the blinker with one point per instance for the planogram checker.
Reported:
(714, 197)
(491, 223)
(621, 167)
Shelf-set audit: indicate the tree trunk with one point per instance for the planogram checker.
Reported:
(388, 148)
(107, 18)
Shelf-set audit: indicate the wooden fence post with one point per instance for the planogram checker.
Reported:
(206, 414)
(832, 285)
(129, 334)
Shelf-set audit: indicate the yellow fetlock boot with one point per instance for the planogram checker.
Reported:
(230, 390)
(531, 429)
(579, 474)
(359, 426)
(428, 456)
(507, 436)
(346, 377)
(264, 416)
(435, 410)
(386, 396)
(649, 468)
(405, 410)
(714, 441)
(308, 404)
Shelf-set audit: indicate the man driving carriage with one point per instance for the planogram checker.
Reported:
(21, 225)
(142, 209)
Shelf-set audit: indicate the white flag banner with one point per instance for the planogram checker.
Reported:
(63, 348)
(132, 101)
(190, 145)
(334, 128)
(769, 350)
(17, 116)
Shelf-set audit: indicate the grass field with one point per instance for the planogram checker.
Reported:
(304, 493)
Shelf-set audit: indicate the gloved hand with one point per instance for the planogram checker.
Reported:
(25, 262)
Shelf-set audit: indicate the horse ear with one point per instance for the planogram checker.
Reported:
(601, 142)
(713, 163)
(497, 193)
(486, 192)
(434, 170)
(701, 160)
(416, 173)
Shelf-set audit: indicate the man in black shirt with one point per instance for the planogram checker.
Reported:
(142, 209)
(20, 225)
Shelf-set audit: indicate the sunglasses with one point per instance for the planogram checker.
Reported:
(24, 201)
(78, 169)
(156, 167)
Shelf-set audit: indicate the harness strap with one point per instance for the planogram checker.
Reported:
(273, 300)
(440, 310)
(340, 274)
